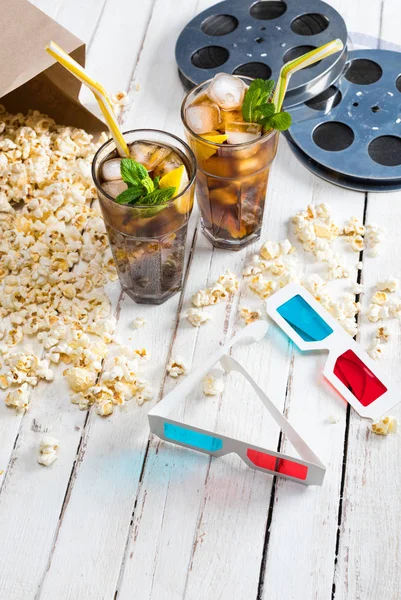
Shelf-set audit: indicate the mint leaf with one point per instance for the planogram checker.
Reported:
(156, 182)
(130, 195)
(132, 172)
(256, 95)
(265, 111)
(159, 196)
(280, 121)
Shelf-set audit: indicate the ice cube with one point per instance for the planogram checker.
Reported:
(111, 169)
(231, 116)
(173, 161)
(149, 155)
(203, 117)
(115, 187)
(227, 91)
(241, 133)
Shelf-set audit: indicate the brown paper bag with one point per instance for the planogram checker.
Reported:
(29, 77)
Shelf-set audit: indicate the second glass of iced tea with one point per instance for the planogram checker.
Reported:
(232, 173)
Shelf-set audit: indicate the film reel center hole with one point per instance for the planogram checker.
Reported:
(265, 10)
(310, 24)
(297, 52)
(355, 104)
(219, 25)
(363, 72)
(210, 57)
(375, 108)
(386, 150)
(254, 69)
(333, 136)
(259, 40)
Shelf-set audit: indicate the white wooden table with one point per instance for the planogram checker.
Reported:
(121, 515)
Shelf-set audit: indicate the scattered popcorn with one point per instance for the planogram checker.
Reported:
(177, 367)
(376, 349)
(225, 285)
(45, 169)
(249, 316)
(388, 285)
(212, 386)
(354, 227)
(262, 287)
(48, 450)
(376, 312)
(138, 323)
(374, 237)
(142, 354)
(336, 269)
(385, 425)
(18, 398)
(357, 288)
(379, 298)
(357, 243)
(119, 99)
(197, 317)
(333, 419)
(382, 334)
(270, 250)
(229, 281)
(80, 379)
(286, 247)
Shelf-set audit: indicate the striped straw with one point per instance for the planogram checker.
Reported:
(300, 63)
(100, 94)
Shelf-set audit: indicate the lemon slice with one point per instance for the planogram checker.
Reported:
(178, 179)
(204, 151)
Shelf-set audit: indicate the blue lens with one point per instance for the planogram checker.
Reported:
(179, 434)
(304, 320)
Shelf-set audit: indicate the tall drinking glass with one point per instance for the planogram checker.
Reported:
(148, 242)
(231, 180)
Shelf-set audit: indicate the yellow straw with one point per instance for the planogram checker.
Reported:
(98, 90)
(300, 63)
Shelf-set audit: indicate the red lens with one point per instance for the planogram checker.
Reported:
(277, 464)
(358, 378)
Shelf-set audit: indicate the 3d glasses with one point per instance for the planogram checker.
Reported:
(307, 470)
(348, 368)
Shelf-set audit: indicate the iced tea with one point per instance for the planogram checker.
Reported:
(234, 159)
(148, 242)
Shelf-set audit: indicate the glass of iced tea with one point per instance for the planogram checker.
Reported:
(147, 239)
(233, 157)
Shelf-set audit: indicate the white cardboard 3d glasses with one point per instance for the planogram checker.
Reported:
(348, 368)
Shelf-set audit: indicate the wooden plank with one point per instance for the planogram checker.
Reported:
(29, 489)
(370, 532)
(85, 533)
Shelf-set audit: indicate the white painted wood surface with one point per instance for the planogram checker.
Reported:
(121, 516)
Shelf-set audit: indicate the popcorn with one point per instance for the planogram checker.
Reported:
(119, 99)
(212, 386)
(177, 367)
(357, 288)
(80, 379)
(249, 316)
(48, 450)
(354, 227)
(18, 398)
(388, 285)
(379, 298)
(201, 298)
(374, 237)
(229, 281)
(142, 354)
(382, 334)
(262, 287)
(197, 317)
(337, 270)
(385, 425)
(105, 408)
(270, 250)
(333, 419)
(251, 270)
(376, 349)
(286, 247)
(357, 243)
(138, 322)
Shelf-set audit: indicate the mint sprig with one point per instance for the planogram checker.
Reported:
(141, 190)
(257, 107)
